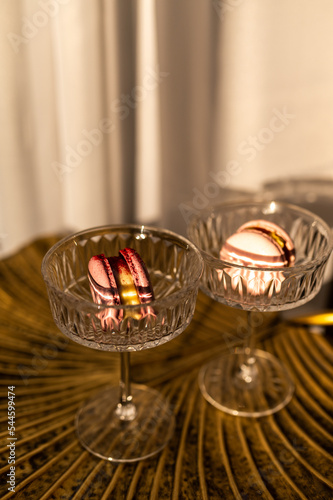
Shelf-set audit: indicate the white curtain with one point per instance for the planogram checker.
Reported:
(130, 110)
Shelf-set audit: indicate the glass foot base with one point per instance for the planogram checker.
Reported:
(247, 383)
(107, 436)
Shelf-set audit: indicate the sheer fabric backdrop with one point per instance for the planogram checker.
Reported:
(131, 110)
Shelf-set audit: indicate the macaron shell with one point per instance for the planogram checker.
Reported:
(139, 274)
(267, 226)
(277, 233)
(102, 281)
(263, 246)
(252, 248)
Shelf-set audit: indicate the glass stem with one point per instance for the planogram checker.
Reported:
(250, 337)
(125, 409)
(248, 368)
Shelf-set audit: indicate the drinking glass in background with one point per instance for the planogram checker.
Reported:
(316, 195)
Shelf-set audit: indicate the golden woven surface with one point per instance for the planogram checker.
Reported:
(211, 455)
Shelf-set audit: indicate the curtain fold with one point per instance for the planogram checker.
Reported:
(187, 53)
(146, 95)
(124, 111)
(275, 95)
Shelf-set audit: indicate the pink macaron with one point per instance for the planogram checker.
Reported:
(262, 246)
(259, 243)
(120, 280)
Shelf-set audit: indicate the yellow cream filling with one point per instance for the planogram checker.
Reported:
(278, 240)
(129, 295)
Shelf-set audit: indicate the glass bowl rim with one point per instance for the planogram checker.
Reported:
(292, 270)
(142, 228)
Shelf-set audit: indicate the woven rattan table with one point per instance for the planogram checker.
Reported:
(211, 455)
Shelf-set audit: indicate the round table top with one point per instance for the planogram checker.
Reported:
(211, 455)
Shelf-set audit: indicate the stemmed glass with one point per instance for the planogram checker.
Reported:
(248, 381)
(130, 422)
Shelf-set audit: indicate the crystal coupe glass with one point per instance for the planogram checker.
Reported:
(124, 424)
(248, 381)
